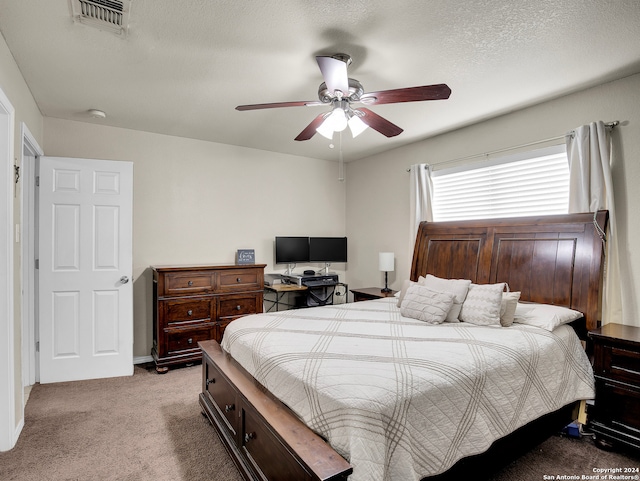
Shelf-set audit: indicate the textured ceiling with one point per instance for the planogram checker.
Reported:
(186, 64)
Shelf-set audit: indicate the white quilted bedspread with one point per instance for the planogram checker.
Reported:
(401, 399)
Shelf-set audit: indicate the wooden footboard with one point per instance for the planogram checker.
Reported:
(264, 438)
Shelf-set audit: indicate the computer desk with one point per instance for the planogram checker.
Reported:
(280, 292)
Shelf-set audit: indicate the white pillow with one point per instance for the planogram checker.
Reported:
(457, 287)
(482, 305)
(546, 316)
(403, 290)
(425, 304)
(508, 307)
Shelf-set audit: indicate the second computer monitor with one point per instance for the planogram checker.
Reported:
(327, 249)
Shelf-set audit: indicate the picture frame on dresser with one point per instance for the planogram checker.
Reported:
(193, 303)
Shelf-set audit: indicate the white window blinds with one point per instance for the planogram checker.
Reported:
(530, 183)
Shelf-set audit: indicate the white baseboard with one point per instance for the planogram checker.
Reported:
(142, 359)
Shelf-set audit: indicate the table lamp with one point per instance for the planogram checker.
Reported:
(385, 264)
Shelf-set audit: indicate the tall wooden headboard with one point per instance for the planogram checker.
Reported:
(550, 259)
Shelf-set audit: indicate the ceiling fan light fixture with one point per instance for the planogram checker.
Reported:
(357, 126)
(337, 119)
(325, 130)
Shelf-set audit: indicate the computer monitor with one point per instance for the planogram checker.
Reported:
(291, 250)
(327, 250)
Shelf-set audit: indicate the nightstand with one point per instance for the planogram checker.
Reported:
(616, 365)
(368, 293)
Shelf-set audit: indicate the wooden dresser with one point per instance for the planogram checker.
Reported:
(616, 365)
(195, 303)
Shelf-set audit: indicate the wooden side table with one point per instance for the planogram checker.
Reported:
(616, 366)
(368, 293)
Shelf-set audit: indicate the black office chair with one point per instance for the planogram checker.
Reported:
(320, 296)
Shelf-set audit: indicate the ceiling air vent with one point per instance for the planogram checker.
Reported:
(109, 15)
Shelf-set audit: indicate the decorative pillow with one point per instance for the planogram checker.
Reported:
(426, 304)
(482, 305)
(403, 290)
(508, 307)
(457, 287)
(546, 316)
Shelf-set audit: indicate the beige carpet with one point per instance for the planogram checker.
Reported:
(149, 427)
(144, 427)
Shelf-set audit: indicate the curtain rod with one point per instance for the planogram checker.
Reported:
(610, 125)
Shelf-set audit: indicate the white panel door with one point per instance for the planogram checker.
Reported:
(85, 267)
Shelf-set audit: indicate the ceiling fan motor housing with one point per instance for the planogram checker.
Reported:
(354, 94)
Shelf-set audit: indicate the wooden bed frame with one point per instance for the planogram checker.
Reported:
(549, 259)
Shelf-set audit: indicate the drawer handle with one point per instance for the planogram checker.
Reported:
(248, 437)
(238, 308)
(238, 280)
(189, 312)
(229, 407)
(190, 283)
(211, 381)
(189, 340)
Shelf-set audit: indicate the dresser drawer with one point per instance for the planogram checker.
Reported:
(181, 312)
(222, 395)
(222, 325)
(232, 280)
(619, 364)
(239, 305)
(187, 283)
(262, 447)
(621, 404)
(617, 412)
(184, 340)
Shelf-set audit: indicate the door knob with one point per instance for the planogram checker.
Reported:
(124, 279)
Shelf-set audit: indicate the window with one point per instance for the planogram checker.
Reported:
(530, 183)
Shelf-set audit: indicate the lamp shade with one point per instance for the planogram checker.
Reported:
(325, 130)
(385, 261)
(357, 126)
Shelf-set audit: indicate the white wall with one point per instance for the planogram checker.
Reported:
(26, 111)
(378, 188)
(198, 202)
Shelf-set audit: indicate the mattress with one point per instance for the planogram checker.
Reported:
(401, 399)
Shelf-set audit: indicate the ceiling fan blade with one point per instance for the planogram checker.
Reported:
(310, 130)
(276, 105)
(380, 124)
(410, 94)
(334, 73)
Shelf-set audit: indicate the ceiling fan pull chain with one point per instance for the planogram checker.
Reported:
(340, 160)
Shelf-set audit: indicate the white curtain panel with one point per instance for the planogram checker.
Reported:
(591, 189)
(421, 199)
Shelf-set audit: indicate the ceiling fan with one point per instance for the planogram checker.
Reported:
(340, 92)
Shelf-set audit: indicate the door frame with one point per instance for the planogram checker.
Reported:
(28, 170)
(9, 430)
